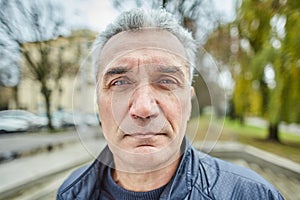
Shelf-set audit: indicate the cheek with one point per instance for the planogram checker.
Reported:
(103, 106)
(112, 109)
(105, 113)
(108, 123)
(174, 107)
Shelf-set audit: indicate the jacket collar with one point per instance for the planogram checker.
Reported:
(182, 181)
(178, 188)
(185, 176)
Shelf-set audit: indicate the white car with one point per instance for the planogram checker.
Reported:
(13, 125)
(20, 119)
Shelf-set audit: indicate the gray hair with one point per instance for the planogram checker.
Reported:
(137, 19)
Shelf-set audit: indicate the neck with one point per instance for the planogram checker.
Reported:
(147, 181)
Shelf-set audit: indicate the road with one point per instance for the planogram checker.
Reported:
(16, 145)
(39, 174)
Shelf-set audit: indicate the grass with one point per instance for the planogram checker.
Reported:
(289, 146)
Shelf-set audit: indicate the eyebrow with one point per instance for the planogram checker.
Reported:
(123, 70)
(169, 69)
(160, 68)
(116, 70)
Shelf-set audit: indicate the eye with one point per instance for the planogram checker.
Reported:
(120, 82)
(167, 81)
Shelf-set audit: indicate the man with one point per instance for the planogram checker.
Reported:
(144, 66)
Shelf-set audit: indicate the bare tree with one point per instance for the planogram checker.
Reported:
(32, 22)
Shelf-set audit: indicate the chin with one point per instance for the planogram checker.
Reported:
(146, 159)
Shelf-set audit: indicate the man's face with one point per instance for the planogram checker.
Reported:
(144, 98)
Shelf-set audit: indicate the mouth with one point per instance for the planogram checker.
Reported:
(145, 142)
(143, 135)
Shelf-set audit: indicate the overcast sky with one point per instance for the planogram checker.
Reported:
(97, 14)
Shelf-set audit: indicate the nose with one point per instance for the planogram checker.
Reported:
(143, 105)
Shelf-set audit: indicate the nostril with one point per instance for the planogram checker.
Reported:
(141, 121)
(140, 117)
(143, 111)
(143, 104)
(134, 116)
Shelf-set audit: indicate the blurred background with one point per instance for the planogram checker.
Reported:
(247, 78)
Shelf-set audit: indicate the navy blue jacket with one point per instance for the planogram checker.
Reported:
(199, 176)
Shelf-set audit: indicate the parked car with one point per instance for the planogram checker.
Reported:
(20, 120)
(91, 119)
(56, 121)
(64, 119)
(68, 118)
(8, 125)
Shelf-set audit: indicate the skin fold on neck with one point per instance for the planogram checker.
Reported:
(143, 182)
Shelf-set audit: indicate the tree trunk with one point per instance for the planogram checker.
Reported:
(273, 132)
(16, 96)
(47, 94)
(164, 3)
(241, 119)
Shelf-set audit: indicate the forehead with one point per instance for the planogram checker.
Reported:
(146, 57)
(149, 61)
(130, 41)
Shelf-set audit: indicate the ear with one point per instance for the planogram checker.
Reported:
(192, 92)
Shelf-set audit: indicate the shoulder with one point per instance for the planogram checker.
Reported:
(85, 182)
(76, 182)
(74, 176)
(233, 180)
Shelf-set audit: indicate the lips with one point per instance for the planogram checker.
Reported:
(143, 135)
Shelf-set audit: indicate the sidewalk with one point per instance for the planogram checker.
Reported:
(19, 145)
(17, 174)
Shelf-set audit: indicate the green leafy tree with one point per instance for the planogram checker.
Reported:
(265, 63)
